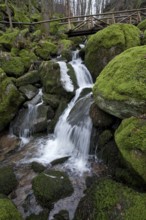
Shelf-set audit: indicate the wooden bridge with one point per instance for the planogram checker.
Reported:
(90, 24)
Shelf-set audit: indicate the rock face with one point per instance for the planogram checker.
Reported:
(10, 100)
(8, 180)
(50, 187)
(120, 88)
(131, 141)
(110, 200)
(107, 43)
(8, 210)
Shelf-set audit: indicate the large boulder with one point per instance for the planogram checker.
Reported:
(10, 100)
(120, 88)
(30, 77)
(110, 200)
(50, 187)
(12, 65)
(131, 141)
(107, 43)
(45, 50)
(8, 210)
(8, 181)
(51, 79)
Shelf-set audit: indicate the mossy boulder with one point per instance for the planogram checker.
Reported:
(131, 141)
(107, 199)
(8, 180)
(142, 25)
(51, 79)
(51, 186)
(28, 57)
(8, 39)
(107, 43)
(8, 210)
(120, 88)
(30, 77)
(45, 50)
(41, 216)
(12, 65)
(10, 100)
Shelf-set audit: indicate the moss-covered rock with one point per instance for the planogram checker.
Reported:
(107, 43)
(120, 88)
(12, 65)
(142, 25)
(51, 100)
(31, 77)
(8, 39)
(110, 200)
(50, 187)
(8, 180)
(10, 100)
(45, 50)
(28, 57)
(41, 216)
(51, 79)
(8, 210)
(131, 141)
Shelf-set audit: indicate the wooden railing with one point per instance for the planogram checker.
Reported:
(96, 21)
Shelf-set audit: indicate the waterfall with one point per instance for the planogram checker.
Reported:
(27, 119)
(71, 135)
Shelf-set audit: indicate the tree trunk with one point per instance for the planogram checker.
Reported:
(45, 16)
(9, 14)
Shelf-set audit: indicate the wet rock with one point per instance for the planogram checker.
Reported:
(107, 199)
(37, 167)
(51, 100)
(62, 215)
(41, 216)
(51, 186)
(29, 91)
(59, 161)
(34, 119)
(8, 144)
(8, 180)
(100, 118)
(8, 210)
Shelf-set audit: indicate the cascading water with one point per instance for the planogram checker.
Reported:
(29, 116)
(71, 138)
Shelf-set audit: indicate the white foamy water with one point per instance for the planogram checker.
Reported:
(65, 78)
(71, 139)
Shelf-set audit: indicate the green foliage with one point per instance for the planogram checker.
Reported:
(131, 141)
(8, 180)
(8, 211)
(50, 187)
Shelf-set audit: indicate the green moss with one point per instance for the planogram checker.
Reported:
(65, 44)
(121, 84)
(28, 78)
(13, 66)
(131, 141)
(110, 200)
(107, 43)
(142, 25)
(41, 216)
(8, 211)
(20, 15)
(9, 37)
(45, 50)
(28, 57)
(50, 187)
(10, 100)
(8, 180)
